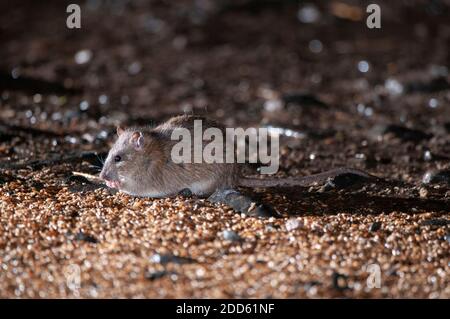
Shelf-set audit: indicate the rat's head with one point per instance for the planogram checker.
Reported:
(133, 156)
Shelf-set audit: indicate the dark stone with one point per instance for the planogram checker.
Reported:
(447, 237)
(84, 237)
(323, 134)
(302, 99)
(34, 85)
(231, 235)
(434, 85)
(242, 203)
(447, 127)
(344, 180)
(392, 272)
(375, 226)
(348, 179)
(436, 177)
(339, 281)
(405, 133)
(37, 185)
(264, 210)
(4, 137)
(153, 275)
(74, 214)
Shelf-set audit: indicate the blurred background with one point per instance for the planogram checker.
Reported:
(312, 69)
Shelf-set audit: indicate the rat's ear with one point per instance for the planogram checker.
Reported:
(137, 139)
(119, 130)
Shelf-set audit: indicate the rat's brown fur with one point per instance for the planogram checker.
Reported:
(151, 172)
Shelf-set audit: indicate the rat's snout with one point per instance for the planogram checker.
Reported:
(108, 174)
(109, 179)
(103, 174)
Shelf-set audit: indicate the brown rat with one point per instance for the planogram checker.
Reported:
(140, 164)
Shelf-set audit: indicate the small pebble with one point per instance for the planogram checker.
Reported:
(169, 258)
(375, 226)
(433, 103)
(135, 68)
(315, 46)
(394, 87)
(83, 56)
(103, 99)
(363, 66)
(84, 237)
(292, 224)
(427, 156)
(84, 105)
(231, 235)
(339, 281)
(423, 192)
(447, 237)
(273, 105)
(153, 275)
(436, 177)
(308, 14)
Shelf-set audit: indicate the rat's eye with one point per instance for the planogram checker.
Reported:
(117, 158)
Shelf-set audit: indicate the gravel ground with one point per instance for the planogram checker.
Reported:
(344, 95)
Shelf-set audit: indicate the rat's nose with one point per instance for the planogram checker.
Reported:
(103, 174)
